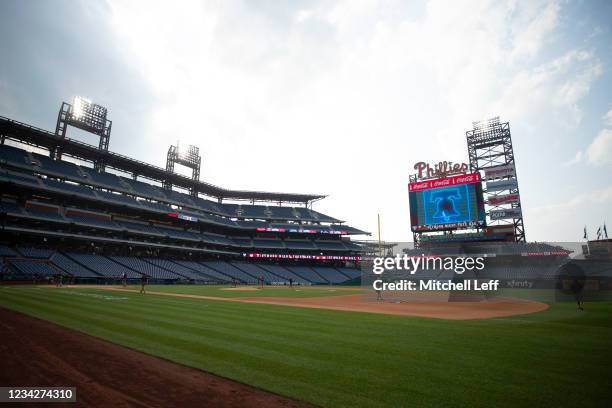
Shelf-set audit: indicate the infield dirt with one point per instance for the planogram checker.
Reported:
(485, 309)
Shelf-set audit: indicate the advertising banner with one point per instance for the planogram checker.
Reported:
(469, 178)
(500, 229)
(504, 199)
(496, 172)
(501, 185)
(505, 214)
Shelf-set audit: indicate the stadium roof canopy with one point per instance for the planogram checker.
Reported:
(31, 135)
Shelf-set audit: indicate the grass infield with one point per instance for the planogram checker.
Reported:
(559, 357)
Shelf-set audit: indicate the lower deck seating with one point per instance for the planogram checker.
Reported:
(285, 273)
(350, 272)
(6, 251)
(179, 269)
(73, 268)
(103, 266)
(45, 262)
(146, 268)
(307, 273)
(205, 271)
(230, 271)
(36, 269)
(330, 274)
(258, 272)
(30, 252)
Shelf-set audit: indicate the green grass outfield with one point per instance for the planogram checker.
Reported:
(555, 358)
(267, 291)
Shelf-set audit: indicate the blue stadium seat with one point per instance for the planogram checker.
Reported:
(230, 271)
(19, 179)
(93, 222)
(205, 271)
(180, 234)
(268, 243)
(163, 208)
(257, 272)
(307, 273)
(351, 273)
(241, 242)
(30, 252)
(285, 273)
(180, 270)
(69, 188)
(330, 245)
(146, 268)
(6, 251)
(179, 198)
(30, 268)
(118, 198)
(59, 168)
(108, 180)
(49, 215)
(139, 228)
(68, 265)
(14, 156)
(299, 244)
(208, 205)
(330, 274)
(103, 266)
(144, 189)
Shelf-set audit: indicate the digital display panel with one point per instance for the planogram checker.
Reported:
(447, 204)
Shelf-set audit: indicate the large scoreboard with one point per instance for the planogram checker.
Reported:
(447, 203)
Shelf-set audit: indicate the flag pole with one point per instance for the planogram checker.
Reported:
(380, 251)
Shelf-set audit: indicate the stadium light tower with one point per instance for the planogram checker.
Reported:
(85, 115)
(190, 159)
(490, 150)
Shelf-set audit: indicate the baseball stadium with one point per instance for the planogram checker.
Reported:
(424, 273)
(140, 286)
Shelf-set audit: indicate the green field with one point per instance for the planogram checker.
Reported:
(555, 358)
(266, 291)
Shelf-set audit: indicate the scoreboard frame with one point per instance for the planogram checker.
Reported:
(477, 220)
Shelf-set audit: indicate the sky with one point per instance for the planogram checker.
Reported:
(334, 97)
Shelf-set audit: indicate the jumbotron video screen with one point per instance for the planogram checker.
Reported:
(447, 203)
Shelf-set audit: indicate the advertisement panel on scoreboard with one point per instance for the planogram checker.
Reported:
(447, 203)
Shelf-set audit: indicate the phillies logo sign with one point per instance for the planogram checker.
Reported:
(441, 169)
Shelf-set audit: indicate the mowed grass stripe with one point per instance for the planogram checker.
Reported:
(343, 358)
(102, 326)
(129, 331)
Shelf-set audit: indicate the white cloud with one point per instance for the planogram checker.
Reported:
(559, 221)
(577, 159)
(599, 151)
(608, 118)
(343, 98)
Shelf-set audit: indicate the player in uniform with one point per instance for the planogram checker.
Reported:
(143, 283)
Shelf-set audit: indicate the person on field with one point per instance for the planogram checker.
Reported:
(291, 282)
(124, 279)
(379, 295)
(4, 271)
(261, 281)
(143, 283)
(576, 288)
